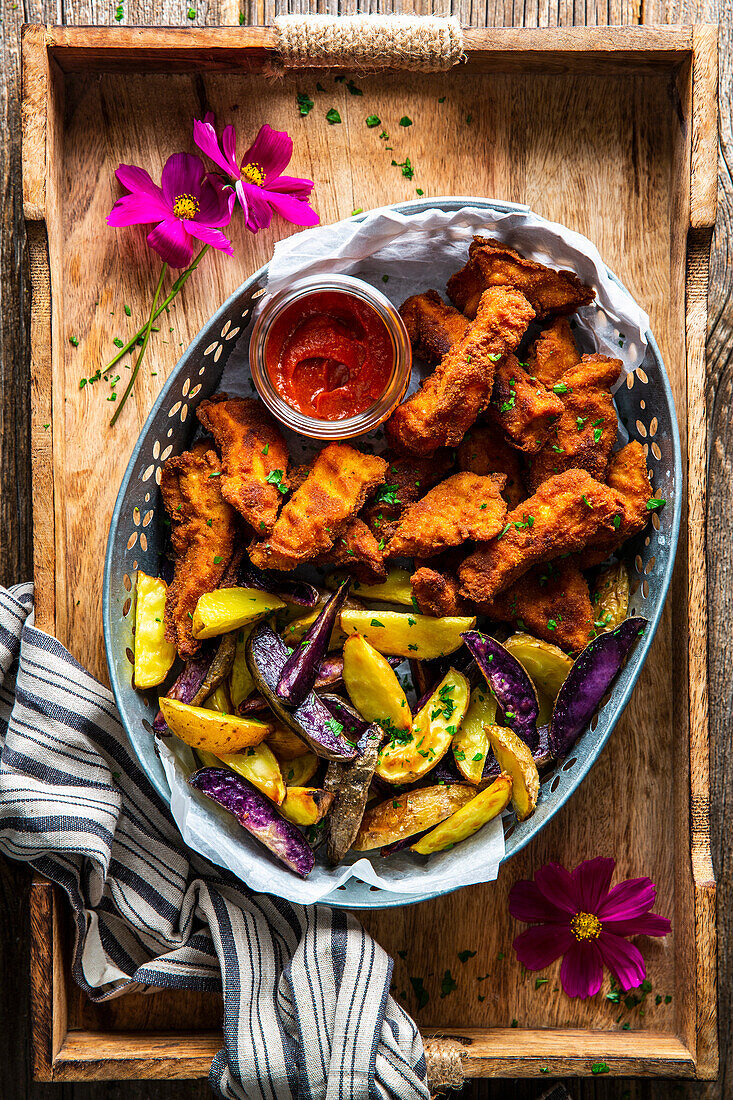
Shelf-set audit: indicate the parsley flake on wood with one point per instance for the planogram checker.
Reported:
(464, 956)
(353, 89)
(407, 170)
(405, 121)
(420, 992)
(333, 116)
(600, 1067)
(372, 121)
(448, 984)
(305, 103)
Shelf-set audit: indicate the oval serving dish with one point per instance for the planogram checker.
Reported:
(644, 400)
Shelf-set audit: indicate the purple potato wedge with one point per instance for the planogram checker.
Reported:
(354, 725)
(593, 672)
(256, 813)
(512, 688)
(351, 796)
(300, 671)
(288, 589)
(312, 721)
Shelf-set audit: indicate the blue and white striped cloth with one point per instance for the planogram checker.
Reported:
(307, 1008)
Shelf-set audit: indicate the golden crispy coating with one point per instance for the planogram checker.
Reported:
(464, 506)
(357, 550)
(252, 449)
(432, 325)
(585, 434)
(553, 353)
(628, 475)
(551, 601)
(564, 515)
(491, 263)
(406, 480)
(484, 451)
(437, 593)
(459, 388)
(308, 524)
(204, 529)
(523, 410)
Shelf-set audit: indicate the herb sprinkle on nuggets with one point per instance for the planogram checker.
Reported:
(464, 506)
(334, 490)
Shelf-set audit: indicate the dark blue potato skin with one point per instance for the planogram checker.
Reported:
(510, 684)
(300, 671)
(289, 589)
(593, 672)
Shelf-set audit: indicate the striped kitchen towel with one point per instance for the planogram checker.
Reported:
(307, 1008)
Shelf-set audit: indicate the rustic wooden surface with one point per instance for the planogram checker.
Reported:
(14, 1071)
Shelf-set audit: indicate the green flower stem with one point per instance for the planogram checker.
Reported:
(139, 359)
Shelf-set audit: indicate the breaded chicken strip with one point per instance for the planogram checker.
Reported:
(459, 388)
(204, 529)
(484, 451)
(628, 475)
(437, 593)
(254, 457)
(551, 601)
(407, 479)
(334, 491)
(585, 434)
(464, 506)
(522, 410)
(566, 513)
(553, 352)
(432, 325)
(491, 263)
(357, 550)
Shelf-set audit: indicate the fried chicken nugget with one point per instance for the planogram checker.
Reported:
(204, 529)
(553, 352)
(484, 451)
(551, 601)
(566, 513)
(357, 550)
(491, 263)
(628, 475)
(254, 457)
(406, 480)
(523, 410)
(585, 434)
(437, 593)
(464, 506)
(334, 491)
(450, 399)
(432, 325)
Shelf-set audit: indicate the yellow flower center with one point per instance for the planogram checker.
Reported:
(586, 926)
(252, 173)
(186, 207)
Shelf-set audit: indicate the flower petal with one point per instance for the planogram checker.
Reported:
(527, 904)
(623, 959)
(137, 179)
(293, 210)
(205, 137)
(271, 151)
(291, 185)
(229, 145)
(214, 206)
(214, 237)
(556, 884)
(136, 209)
(592, 880)
(182, 174)
(629, 899)
(540, 945)
(259, 214)
(648, 924)
(581, 973)
(171, 241)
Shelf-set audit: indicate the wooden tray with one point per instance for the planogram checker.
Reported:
(611, 131)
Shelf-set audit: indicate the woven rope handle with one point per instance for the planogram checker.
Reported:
(444, 1060)
(368, 42)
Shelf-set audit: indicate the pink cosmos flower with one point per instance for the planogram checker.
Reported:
(190, 205)
(258, 182)
(578, 916)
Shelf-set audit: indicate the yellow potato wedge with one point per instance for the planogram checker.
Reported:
(545, 664)
(228, 609)
(241, 684)
(611, 597)
(515, 758)
(219, 701)
(469, 819)
(409, 755)
(471, 743)
(206, 729)
(399, 634)
(409, 813)
(297, 772)
(373, 687)
(285, 744)
(154, 656)
(256, 764)
(395, 589)
(306, 805)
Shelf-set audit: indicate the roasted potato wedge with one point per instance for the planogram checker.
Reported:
(399, 634)
(611, 596)
(545, 664)
(515, 759)
(471, 743)
(395, 589)
(220, 702)
(468, 819)
(300, 769)
(257, 764)
(227, 609)
(409, 813)
(207, 729)
(285, 744)
(305, 805)
(241, 684)
(408, 756)
(296, 628)
(352, 795)
(154, 656)
(373, 687)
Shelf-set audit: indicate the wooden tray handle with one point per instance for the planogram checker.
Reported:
(364, 42)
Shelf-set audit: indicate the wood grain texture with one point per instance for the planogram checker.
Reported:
(719, 541)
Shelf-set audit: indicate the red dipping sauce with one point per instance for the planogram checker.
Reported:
(329, 355)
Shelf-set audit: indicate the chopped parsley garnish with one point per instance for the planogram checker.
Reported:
(334, 726)
(551, 624)
(617, 522)
(191, 13)
(478, 756)
(359, 210)
(464, 956)
(333, 116)
(266, 448)
(559, 387)
(469, 120)
(557, 450)
(385, 278)
(413, 648)
(585, 500)
(419, 191)
(654, 503)
(372, 121)
(540, 982)
(218, 560)
(502, 533)
(407, 170)
(441, 99)
(305, 103)
(600, 1067)
(376, 622)
(275, 477)
(387, 495)
(405, 121)
(597, 433)
(448, 984)
(74, 341)
(580, 421)
(128, 311)
(353, 88)
(420, 992)
(494, 356)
